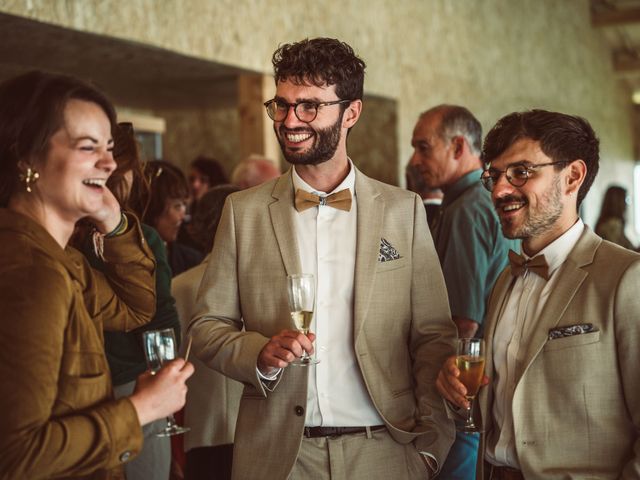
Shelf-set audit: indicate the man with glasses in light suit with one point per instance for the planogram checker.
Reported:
(382, 326)
(562, 328)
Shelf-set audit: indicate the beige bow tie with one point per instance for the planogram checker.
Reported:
(340, 200)
(537, 264)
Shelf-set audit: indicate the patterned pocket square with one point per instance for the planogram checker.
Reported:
(571, 330)
(387, 252)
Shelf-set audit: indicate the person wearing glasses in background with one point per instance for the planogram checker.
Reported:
(382, 326)
(562, 328)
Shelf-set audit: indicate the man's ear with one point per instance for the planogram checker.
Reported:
(457, 143)
(352, 114)
(576, 173)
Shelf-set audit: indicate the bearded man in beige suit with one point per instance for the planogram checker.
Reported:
(563, 335)
(382, 325)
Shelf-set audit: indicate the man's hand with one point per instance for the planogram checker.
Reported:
(450, 387)
(283, 349)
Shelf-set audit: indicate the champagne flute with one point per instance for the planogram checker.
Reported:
(302, 292)
(470, 362)
(159, 347)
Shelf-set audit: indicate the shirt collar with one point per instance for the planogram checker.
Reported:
(557, 251)
(464, 182)
(348, 182)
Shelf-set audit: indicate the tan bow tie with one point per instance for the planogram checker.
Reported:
(340, 200)
(537, 264)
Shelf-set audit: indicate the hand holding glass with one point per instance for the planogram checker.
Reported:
(470, 362)
(159, 347)
(302, 289)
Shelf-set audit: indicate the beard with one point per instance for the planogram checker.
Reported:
(324, 146)
(538, 221)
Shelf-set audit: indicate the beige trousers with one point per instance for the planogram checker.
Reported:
(360, 456)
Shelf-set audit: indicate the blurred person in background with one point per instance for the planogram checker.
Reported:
(213, 401)
(164, 208)
(124, 349)
(612, 220)
(60, 418)
(253, 171)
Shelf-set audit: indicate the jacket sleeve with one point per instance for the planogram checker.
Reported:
(123, 297)
(627, 331)
(36, 443)
(217, 327)
(431, 342)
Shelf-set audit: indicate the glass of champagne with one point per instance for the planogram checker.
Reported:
(302, 290)
(159, 347)
(470, 362)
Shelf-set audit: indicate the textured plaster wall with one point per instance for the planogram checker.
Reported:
(494, 56)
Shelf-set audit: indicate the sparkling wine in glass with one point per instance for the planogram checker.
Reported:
(470, 362)
(302, 290)
(159, 347)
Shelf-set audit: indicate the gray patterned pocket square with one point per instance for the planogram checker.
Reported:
(571, 330)
(387, 251)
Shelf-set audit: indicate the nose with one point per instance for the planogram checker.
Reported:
(501, 187)
(291, 119)
(106, 162)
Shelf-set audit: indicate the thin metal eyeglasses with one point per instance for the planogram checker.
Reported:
(305, 111)
(517, 174)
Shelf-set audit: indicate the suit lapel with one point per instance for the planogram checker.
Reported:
(369, 232)
(570, 277)
(282, 219)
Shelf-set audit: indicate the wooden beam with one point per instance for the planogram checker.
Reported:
(256, 128)
(615, 17)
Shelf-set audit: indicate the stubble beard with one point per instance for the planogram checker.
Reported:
(537, 222)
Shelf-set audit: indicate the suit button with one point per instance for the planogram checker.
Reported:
(299, 410)
(125, 456)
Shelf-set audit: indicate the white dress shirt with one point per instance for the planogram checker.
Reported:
(528, 296)
(326, 238)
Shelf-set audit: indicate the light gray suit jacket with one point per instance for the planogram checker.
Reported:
(402, 327)
(576, 405)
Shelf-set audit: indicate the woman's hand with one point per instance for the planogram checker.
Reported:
(163, 393)
(107, 218)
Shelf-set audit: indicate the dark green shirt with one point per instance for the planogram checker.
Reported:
(470, 245)
(124, 349)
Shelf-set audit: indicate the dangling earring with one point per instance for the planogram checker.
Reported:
(29, 178)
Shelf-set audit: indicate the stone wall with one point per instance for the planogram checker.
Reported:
(493, 56)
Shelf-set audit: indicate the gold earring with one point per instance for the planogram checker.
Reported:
(29, 178)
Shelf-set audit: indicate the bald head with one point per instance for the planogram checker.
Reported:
(253, 171)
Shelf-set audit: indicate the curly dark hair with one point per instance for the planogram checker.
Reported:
(321, 61)
(562, 137)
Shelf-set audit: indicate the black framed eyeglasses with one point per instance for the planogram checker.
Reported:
(305, 111)
(517, 174)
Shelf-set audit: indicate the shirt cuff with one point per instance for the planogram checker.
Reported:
(268, 378)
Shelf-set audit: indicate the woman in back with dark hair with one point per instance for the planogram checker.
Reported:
(59, 415)
(611, 222)
(164, 208)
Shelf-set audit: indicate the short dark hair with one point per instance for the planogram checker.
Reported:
(165, 181)
(321, 61)
(562, 138)
(31, 112)
(210, 168)
(206, 218)
(457, 121)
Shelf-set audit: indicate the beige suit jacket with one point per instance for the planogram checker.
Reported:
(402, 326)
(576, 405)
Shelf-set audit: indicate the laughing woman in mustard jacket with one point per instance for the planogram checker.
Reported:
(58, 416)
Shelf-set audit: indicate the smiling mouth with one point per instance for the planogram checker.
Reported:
(509, 205)
(95, 182)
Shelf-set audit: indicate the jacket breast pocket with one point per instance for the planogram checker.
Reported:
(85, 391)
(390, 265)
(572, 341)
